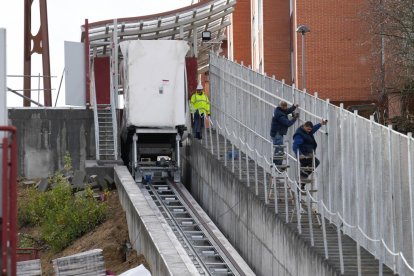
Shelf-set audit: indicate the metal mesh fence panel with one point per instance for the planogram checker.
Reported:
(365, 177)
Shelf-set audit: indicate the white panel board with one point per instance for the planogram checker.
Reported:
(75, 73)
(3, 103)
(3, 86)
(154, 82)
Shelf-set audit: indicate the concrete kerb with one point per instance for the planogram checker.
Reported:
(149, 232)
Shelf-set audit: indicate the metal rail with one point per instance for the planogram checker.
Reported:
(205, 250)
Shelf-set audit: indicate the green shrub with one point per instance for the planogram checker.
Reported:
(60, 216)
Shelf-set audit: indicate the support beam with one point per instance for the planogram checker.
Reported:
(40, 46)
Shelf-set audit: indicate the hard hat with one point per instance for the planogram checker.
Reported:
(199, 87)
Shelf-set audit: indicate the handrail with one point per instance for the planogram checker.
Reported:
(95, 112)
(114, 86)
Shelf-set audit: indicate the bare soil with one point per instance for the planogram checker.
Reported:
(111, 236)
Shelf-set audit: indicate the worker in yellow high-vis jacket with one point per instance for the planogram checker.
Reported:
(199, 107)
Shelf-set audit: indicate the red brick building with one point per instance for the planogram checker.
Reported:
(337, 49)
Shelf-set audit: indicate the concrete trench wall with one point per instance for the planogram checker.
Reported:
(46, 134)
(263, 240)
(149, 233)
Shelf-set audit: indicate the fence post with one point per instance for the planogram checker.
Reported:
(372, 166)
(391, 191)
(211, 135)
(315, 97)
(225, 148)
(359, 259)
(255, 176)
(286, 199)
(325, 242)
(410, 184)
(356, 170)
(205, 132)
(232, 157)
(342, 152)
(293, 93)
(247, 166)
(341, 255)
(310, 219)
(265, 181)
(239, 157)
(328, 154)
(218, 141)
(273, 175)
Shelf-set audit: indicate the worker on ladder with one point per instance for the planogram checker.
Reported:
(199, 107)
(304, 145)
(279, 127)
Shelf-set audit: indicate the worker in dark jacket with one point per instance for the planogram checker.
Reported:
(279, 127)
(304, 144)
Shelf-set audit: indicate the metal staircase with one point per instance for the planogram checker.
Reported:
(107, 146)
(105, 127)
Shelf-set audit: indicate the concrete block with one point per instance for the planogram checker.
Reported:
(86, 263)
(43, 185)
(103, 184)
(29, 268)
(78, 180)
(94, 186)
(109, 180)
(40, 161)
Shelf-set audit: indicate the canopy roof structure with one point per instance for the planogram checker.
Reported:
(186, 23)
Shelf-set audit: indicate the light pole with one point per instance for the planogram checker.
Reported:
(303, 29)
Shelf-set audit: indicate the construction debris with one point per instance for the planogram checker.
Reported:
(29, 183)
(43, 185)
(86, 263)
(29, 268)
(78, 180)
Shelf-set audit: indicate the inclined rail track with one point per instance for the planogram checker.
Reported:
(205, 250)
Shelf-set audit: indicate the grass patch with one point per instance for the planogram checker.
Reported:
(60, 216)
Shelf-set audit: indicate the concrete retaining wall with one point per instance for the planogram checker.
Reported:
(149, 233)
(46, 134)
(263, 240)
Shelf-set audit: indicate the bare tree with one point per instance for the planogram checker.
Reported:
(392, 28)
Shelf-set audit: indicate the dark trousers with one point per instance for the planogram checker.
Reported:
(198, 125)
(278, 146)
(307, 162)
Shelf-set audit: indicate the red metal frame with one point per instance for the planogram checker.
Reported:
(9, 220)
(27, 254)
(39, 44)
(88, 81)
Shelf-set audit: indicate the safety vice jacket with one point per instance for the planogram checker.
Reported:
(200, 103)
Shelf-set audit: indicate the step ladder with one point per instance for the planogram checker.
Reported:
(280, 163)
(105, 131)
(301, 196)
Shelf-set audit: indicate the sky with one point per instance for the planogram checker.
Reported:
(65, 20)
